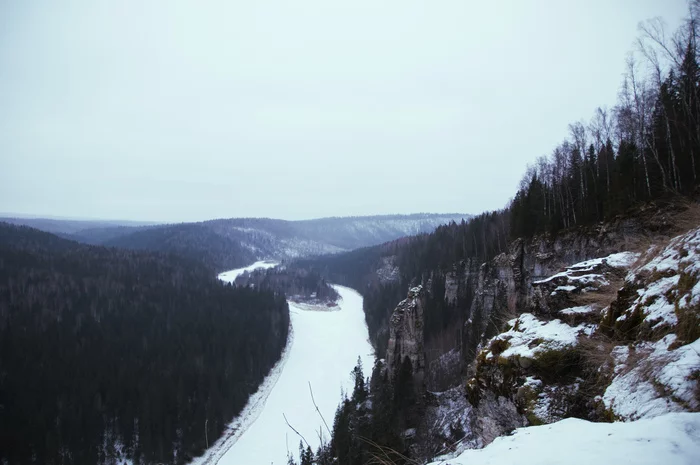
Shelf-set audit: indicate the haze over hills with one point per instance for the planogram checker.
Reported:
(227, 243)
(68, 225)
(559, 324)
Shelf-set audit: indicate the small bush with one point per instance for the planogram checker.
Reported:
(686, 282)
(656, 275)
(688, 327)
(695, 376)
(558, 363)
(498, 346)
(533, 419)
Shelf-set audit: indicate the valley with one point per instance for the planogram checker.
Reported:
(253, 252)
(323, 346)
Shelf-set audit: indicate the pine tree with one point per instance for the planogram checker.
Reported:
(359, 392)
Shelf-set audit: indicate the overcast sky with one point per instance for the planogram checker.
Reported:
(190, 110)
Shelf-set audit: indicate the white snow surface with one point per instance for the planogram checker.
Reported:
(656, 383)
(671, 258)
(657, 309)
(671, 439)
(550, 335)
(616, 260)
(581, 310)
(231, 275)
(681, 254)
(322, 352)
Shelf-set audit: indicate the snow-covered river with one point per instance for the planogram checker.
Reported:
(321, 351)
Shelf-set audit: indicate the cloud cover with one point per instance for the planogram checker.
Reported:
(178, 110)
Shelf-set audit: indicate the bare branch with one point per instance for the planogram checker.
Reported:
(319, 411)
(293, 429)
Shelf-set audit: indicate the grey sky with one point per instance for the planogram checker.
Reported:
(183, 110)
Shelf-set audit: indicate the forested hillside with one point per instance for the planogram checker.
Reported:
(634, 160)
(645, 148)
(299, 285)
(108, 354)
(224, 244)
(193, 241)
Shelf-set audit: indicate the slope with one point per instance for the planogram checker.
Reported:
(109, 354)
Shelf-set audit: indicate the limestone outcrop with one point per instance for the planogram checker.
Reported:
(406, 333)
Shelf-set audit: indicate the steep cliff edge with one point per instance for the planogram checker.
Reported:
(591, 324)
(406, 334)
(591, 349)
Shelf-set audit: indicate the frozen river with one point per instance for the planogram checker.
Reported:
(322, 350)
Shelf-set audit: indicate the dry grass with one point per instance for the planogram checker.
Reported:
(687, 219)
(596, 353)
(600, 298)
(382, 455)
(598, 360)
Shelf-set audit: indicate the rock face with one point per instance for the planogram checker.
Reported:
(490, 293)
(596, 350)
(508, 392)
(406, 334)
(547, 287)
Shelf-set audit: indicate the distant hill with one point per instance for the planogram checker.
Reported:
(191, 240)
(229, 243)
(61, 226)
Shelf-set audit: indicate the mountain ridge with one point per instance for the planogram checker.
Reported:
(239, 241)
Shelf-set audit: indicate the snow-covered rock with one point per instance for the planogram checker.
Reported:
(516, 363)
(586, 276)
(657, 313)
(528, 336)
(539, 365)
(651, 380)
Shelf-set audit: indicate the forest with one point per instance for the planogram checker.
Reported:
(297, 284)
(194, 241)
(646, 148)
(107, 353)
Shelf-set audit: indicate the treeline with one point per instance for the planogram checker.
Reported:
(414, 259)
(194, 241)
(297, 284)
(109, 354)
(647, 146)
(367, 422)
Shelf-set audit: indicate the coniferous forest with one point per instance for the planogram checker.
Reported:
(646, 148)
(105, 352)
(141, 353)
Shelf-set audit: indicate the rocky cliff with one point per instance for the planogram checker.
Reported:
(406, 334)
(545, 328)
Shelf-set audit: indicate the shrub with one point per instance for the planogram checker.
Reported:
(498, 346)
(556, 364)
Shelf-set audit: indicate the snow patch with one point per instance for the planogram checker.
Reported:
(671, 439)
(573, 272)
(652, 380)
(582, 310)
(231, 275)
(529, 336)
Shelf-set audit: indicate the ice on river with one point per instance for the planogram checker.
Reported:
(322, 350)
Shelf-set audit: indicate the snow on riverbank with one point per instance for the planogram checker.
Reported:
(322, 352)
(250, 413)
(671, 439)
(230, 276)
